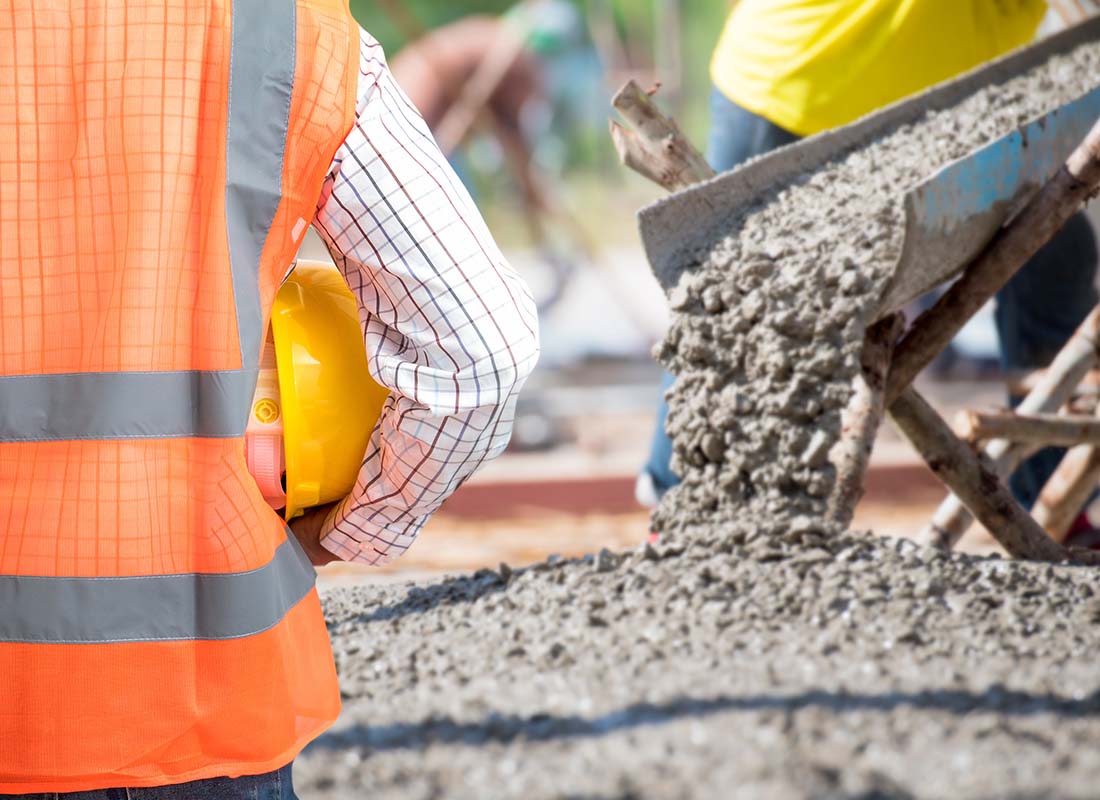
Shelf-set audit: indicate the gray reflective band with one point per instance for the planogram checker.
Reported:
(155, 405)
(123, 405)
(261, 82)
(157, 608)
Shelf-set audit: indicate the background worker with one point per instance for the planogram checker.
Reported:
(435, 71)
(785, 69)
(159, 164)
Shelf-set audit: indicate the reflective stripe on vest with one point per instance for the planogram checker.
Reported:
(158, 405)
(155, 608)
(125, 405)
(157, 158)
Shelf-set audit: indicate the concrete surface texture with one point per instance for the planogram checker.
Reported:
(793, 665)
(754, 653)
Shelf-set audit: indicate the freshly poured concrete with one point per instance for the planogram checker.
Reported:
(800, 665)
(755, 653)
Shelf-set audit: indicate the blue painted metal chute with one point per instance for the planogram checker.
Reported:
(949, 217)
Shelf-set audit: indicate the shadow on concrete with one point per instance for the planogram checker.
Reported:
(506, 728)
(447, 592)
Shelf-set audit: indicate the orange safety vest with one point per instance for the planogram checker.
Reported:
(159, 163)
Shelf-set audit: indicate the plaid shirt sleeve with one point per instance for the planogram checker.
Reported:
(449, 327)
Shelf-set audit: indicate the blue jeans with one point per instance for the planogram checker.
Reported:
(272, 786)
(1036, 312)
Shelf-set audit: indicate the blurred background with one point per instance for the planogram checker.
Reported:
(518, 95)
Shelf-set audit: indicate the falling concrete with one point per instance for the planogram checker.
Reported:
(766, 339)
(755, 653)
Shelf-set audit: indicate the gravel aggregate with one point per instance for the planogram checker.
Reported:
(801, 665)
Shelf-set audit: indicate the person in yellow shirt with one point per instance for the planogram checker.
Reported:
(811, 65)
(785, 69)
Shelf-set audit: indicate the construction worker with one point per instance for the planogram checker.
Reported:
(159, 166)
(785, 69)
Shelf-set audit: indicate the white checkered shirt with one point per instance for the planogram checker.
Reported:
(449, 327)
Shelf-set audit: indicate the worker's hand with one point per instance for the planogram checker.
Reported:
(307, 529)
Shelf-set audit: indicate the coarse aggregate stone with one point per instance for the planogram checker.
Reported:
(755, 652)
(795, 665)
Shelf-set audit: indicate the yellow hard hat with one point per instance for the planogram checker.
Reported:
(316, 403)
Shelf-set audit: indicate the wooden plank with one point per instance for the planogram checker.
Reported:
(1077, 357)
(1048, 430)
(1068, 490)
(656, 147)
(972, 479)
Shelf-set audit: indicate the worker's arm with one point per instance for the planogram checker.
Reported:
(449, 327)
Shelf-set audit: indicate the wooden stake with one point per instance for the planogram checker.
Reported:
(656, 148)
(1022, 384)
(1042, 217)
(862, 419)
(972, 479)
(1077, 357)
(1048, 430)
(1068, 489)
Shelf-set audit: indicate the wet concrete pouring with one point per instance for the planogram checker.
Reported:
(754, 652)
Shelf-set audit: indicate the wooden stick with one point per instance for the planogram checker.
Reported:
(1068, 489)
(969, 477)
(1084, 556)
(1023, 382)
(1009, 250)
(862, 419)
(656, 148)
(1077, 357)
(1048, 430)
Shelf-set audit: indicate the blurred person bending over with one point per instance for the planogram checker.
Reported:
(434, 70)
(160, 633)
(785, 69)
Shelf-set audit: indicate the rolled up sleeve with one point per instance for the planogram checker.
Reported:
(450, 328)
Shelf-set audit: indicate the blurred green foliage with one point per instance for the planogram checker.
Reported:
(428, 12)
(702, 18)
(587, 169)
(702, 24)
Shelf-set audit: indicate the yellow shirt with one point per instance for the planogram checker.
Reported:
(809, 65)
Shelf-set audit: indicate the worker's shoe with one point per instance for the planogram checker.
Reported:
(645, 490)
